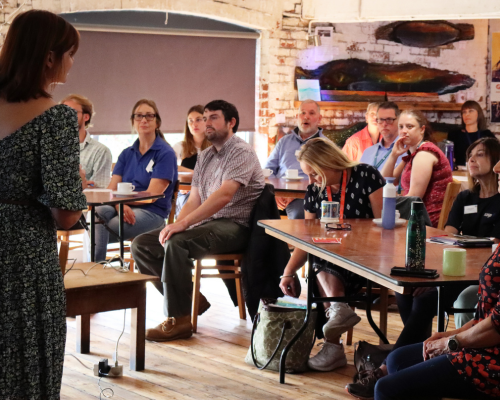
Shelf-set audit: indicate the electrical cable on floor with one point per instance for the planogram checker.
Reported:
(103, 390)
(80, 361)
(118, 341)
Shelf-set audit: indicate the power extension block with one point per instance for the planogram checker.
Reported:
(108, 371)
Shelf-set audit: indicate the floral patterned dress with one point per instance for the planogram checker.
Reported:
(481, 367)
(38, 164)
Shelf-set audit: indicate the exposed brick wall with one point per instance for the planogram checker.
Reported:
(283, 46)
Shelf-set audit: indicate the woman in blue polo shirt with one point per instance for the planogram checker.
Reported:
(150, 165)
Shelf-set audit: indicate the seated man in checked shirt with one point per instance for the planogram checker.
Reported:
(95, 158)
(226, 184)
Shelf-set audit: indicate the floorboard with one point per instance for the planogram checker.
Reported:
(210, 365)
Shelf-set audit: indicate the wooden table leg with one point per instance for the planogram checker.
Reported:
(83, 333)
(138, 332)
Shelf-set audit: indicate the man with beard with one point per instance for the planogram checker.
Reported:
(284, 155)
(227, 182)
(95, 158)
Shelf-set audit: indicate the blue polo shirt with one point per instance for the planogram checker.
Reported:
(132, 166)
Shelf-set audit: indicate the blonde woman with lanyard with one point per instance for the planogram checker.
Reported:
(358, 188)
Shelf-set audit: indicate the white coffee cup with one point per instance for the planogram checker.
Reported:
(267, 172)
(292, 173)
(125, 188)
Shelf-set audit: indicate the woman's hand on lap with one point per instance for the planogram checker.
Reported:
(128, 214)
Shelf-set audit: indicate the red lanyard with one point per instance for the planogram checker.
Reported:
(342, 194)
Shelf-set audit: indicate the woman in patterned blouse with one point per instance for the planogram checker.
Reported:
(333, 177)
(464, 363)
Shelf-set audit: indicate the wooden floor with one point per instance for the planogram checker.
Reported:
(210, 365)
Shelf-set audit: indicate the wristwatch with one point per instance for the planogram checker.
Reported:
(453, 343)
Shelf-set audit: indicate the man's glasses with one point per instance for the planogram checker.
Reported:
(338, 227)
(139, 117)
(388, 121)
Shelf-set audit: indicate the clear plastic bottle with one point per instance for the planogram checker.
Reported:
(389, 206)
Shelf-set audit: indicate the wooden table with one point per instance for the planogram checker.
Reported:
(282, 187)
(107, 290)
(371, 252)
(106, 197)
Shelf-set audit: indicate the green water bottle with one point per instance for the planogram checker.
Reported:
(415, 238)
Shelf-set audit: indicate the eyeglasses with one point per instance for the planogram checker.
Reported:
(139, 117)
(388, 121)
(338, 227)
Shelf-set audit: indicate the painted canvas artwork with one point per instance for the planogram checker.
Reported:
(425, 34)
(361, 75)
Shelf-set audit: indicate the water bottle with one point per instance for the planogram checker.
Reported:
(415, 238)
(389, 207)
(449, 151)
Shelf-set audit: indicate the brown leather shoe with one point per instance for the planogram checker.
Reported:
(171, 329)
(204, 304)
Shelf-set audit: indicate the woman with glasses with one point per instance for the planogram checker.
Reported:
(425, 171)
(150, 165)
(358, 189)
(473, 128)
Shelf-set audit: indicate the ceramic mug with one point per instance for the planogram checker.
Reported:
(267, 172)
(454, 262)
(292, 173)
(125, 188)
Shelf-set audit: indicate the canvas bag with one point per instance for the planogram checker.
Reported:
(273, 328)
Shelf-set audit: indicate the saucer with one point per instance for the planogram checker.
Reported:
(116, 193)
(289, 178)
(399, 222)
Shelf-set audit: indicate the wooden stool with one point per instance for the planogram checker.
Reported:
(236, 275)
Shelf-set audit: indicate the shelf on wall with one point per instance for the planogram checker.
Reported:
(403, 105)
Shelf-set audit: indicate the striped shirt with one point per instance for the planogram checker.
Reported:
(96, 161)
(235, 161)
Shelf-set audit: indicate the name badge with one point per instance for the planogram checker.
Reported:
(470, 209)
(149, 168)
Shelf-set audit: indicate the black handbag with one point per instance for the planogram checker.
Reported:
(368, 357)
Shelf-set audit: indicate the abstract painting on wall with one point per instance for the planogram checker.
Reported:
(425, 34)
(361, 75)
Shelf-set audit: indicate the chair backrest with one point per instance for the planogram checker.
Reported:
(174, 203)
(452, 191)
(63, 256)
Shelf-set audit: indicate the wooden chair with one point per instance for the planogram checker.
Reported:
(64, 236)
(382, 306)
(236, 275)
(452, 191)
(63, 256)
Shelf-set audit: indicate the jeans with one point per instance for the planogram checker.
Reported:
(144, 221)
(295, 210)
(467, 299)
(418, 312)
(412, 378)
(173, 263)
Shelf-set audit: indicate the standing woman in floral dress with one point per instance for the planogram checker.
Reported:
(41, 185)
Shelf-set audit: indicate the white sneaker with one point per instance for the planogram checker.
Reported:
(330, 357)
(340, 319)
